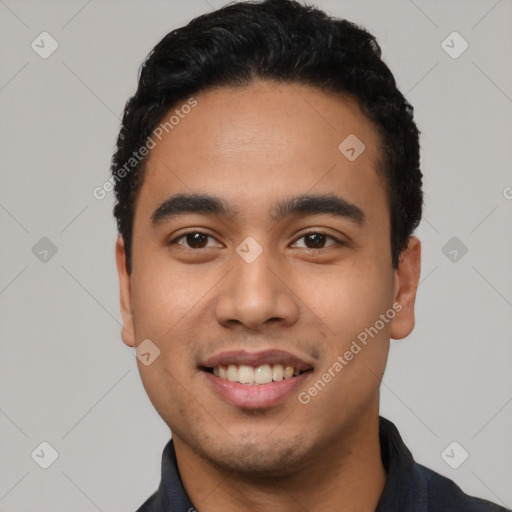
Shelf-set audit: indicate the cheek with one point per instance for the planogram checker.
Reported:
(162, 302)
(161, 297)
(349, 298)
(359, 339)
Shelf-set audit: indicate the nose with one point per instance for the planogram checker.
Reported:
(256, 294)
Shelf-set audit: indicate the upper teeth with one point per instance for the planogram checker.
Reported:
(260, 375)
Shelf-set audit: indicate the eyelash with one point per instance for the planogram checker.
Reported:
(337, 241)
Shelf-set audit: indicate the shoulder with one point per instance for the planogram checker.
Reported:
(151, 504)
(444, 495)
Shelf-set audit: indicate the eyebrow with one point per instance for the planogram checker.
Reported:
(305, 204)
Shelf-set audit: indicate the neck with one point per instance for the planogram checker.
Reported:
(349, 477)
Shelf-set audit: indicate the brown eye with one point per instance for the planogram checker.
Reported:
(317, 240)
(192, 240)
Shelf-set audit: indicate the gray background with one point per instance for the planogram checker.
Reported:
(66, 377)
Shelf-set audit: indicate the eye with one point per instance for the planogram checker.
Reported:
(199, 240)
(317, 239)
(193, 240)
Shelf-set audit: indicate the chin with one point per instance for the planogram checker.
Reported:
(262, 460)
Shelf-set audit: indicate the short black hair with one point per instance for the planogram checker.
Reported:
(279, 40)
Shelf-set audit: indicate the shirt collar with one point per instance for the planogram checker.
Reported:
(405, 487)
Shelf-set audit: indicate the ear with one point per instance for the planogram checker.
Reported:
(407, 276)
(127, 333)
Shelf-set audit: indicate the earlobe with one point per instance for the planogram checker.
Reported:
(127, 332)
(406, 283)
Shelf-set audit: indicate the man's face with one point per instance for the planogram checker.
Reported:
(254, 288)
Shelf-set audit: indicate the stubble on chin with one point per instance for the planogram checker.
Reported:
(264, 461)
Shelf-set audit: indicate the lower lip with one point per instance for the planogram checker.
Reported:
(255, 396)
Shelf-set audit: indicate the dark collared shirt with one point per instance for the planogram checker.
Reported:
(410, 487)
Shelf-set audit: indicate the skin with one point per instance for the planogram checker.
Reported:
(253, 146)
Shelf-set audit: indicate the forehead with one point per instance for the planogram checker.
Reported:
(254, 144)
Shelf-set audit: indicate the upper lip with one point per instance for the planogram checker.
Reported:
(256, 359)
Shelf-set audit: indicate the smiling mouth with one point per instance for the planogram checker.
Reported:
(255, 375)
